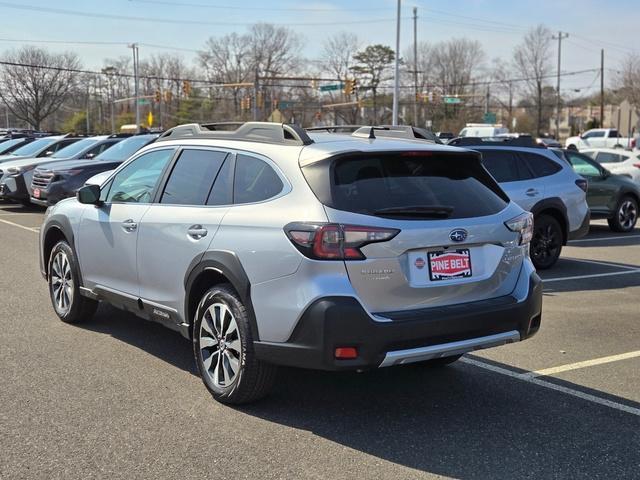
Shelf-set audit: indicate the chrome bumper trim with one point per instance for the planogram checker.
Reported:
(420, 354)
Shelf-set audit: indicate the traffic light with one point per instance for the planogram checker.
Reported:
(260, 100)
(245, 103)
(349, 86)
(314, 84)
(186, 87)
(157, 97)
(168, 96)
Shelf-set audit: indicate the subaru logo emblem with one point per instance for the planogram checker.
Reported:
(458, 235)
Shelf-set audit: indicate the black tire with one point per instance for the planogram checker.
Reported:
(253, 378)
(572, 147)
(546, 244)
(77, 308)
(625, 216)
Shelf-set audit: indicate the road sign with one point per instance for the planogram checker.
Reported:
(284, 105)
(489, 117)
(143, 101)
(330, 88)
(150, 119)
(452, 100)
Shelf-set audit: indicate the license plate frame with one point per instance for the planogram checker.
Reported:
(460, 254)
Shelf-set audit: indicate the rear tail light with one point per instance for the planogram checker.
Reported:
(637, 165)
(332, 241)
(522, 224)
(346, 353)
(633, 143)
(582, 184)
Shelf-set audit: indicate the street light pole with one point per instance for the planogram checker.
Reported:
(134, 47)
(415, 66)
(396, 77)
(560, 37)
(110, 72)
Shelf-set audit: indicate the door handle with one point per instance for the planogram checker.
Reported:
(532, 192)
(197, 232)
(129, 225)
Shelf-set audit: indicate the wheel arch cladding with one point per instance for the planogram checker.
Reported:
(554, 207)
(214, 268)
(58, 229)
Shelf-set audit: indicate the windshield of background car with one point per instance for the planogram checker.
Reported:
(124, 149)
(454, 186)
(75, 148)
(34, 147)
(9, 144)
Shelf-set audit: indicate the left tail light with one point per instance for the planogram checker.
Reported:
(582, 184)
(333, 241)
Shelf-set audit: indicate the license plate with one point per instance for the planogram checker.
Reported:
(445, 265)
(36, 192)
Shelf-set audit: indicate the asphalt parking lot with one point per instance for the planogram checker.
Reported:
(118, 397)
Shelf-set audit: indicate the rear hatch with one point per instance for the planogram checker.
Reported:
(452, 246)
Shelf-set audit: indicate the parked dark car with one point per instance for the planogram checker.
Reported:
(610, 196)
(53, 182)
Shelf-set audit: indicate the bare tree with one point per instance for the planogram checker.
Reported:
(454, 62)
(373, 62)
(338, 60)
(274, 50)
(532, 60)
(36, 83)
(228, 60)
(628, 79)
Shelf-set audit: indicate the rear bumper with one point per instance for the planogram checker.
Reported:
(583, 229)
(406, 337)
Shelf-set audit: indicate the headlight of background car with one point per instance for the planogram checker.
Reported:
(67, 173)
(18, 170)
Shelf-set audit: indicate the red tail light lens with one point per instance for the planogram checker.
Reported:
(334, 241)
(582, 183)
(637, 165)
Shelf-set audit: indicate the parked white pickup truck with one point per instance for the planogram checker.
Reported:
(600, 138)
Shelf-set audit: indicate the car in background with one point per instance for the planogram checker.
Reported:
(548, 142)
(445, 136)
(40, 148)
(616, 160)
(537, 180)
(483, 130)
(17, 175)
(600, 138)
(9, 145)
(53, 182)
(610, 196)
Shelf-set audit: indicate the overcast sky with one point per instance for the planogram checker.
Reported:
(498, 24)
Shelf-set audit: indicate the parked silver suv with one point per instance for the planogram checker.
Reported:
(267, 245)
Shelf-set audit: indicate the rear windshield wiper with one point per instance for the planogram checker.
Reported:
(424, 211)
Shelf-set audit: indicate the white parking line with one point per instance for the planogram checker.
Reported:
(603, 263)
(601, 239)
(30, 229)
(587, 363)
(593, 275)
(552, 386)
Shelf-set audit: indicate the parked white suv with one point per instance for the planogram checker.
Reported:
(600, 138)
(269, 246)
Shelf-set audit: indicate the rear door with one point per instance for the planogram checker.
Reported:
(450, 215)
(511, 171)
(600, 192)
(177, 229)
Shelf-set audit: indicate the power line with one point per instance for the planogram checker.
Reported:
(263, 9)
(109, 16)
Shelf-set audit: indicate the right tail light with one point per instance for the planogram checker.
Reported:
(522, 224)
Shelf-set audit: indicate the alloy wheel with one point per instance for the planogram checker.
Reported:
(546, 243)
(220, 345)
(62, 282)
(627, 214)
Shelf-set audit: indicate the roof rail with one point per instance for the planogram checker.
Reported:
(263, 132)
(334, 128)
(494, 142)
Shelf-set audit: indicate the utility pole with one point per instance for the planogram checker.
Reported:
(415, 66)
(134, 47)
(487, 99)
(88, 101)
(602, 88)
(561, 36)
(396, 76)
(256, 89)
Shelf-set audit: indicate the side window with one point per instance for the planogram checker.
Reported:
(539, 165)
(222, 192)
(606, 157)
(582, 165)
(95, 151)
(613, 134)
(254, 180)
(504, 166)
(136, 182)
(192, 177)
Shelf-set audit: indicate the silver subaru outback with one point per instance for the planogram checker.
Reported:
(268, 245)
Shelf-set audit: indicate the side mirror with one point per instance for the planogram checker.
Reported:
(604, 173)
(90, 195)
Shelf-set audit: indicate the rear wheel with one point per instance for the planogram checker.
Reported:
(64, 286)
(572, 147)
(546, 243)
(223, 349)
(626, 215)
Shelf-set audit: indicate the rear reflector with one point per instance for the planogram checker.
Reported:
(346, 353)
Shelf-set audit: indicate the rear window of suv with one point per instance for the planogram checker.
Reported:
(407, 185)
